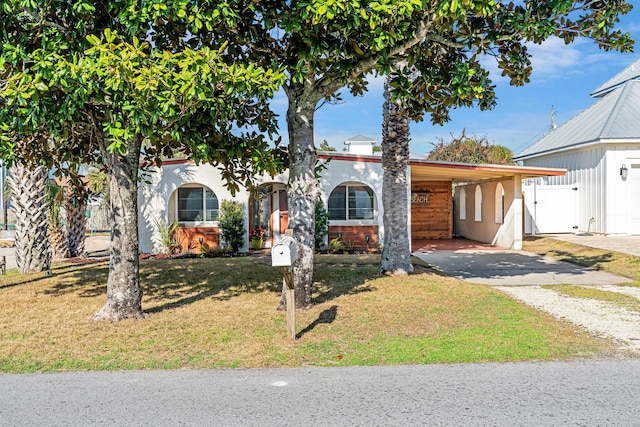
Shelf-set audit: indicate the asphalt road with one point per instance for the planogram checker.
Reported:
(585, 393)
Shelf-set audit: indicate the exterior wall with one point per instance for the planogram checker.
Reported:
(189, 238)
(154, 197)
(620, 194)
(604, 198)
(340, 172)
(508, 233)
(356, 235)
(154, 200)
(586, 169)
(431, 219)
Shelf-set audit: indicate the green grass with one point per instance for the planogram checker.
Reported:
(220, 313)
(619, 263)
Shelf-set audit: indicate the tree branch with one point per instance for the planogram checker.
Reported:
(41, 21)
(328, 84)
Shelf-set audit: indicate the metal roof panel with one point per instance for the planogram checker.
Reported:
(629, 73)
(615, 116)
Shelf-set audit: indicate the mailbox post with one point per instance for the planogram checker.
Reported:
(283, 255)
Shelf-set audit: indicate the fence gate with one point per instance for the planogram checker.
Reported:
(550, 208)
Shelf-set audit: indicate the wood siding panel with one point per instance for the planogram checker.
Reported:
(355, 234)
(188, 238)
(433, 220)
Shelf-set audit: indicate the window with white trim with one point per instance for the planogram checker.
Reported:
(478, 204)
(499, 204)
(197, 204)
(350, 202)
(463, 203)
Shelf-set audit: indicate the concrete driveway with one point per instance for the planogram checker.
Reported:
(507, 268)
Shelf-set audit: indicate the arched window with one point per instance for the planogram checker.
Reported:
(351, 201)
(463, 203)
(499, 204)
(478, 204)
(196, 203)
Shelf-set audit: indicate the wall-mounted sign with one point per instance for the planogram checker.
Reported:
(421, 198)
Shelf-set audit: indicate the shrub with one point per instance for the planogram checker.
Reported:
(322, 224)
(231, 222)
(336, 246)
(167, 236)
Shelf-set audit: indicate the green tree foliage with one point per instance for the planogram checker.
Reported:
(470, 149)
(324, 146)
(231, 221)
(322, 224)
(321, 46)
(107, 78)
(324, 46)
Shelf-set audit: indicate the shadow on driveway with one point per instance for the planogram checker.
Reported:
(506, 267)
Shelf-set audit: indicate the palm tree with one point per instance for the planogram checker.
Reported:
(57, 233)
(75, 206)
(28, 185)
(396, 252)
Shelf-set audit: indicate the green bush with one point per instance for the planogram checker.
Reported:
(336, 246)
(231, 222)
(167, 236)
(322, 224)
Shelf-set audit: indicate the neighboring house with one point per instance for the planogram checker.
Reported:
(600, 148)
(488, 201)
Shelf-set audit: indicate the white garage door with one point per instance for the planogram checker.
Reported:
(550, 209)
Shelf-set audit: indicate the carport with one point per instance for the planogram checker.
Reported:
(480, 202)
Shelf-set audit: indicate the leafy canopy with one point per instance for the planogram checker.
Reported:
(86, 72)
(324, 45)
(470, 149)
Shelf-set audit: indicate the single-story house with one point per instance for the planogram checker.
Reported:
(600, 148)
(487, 201)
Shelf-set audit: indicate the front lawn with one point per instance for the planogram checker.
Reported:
(220, 313)
(619, 263)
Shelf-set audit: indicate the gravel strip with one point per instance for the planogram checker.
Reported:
(599, 317)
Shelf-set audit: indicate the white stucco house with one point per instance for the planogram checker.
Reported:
(600, 149)
(488, 201)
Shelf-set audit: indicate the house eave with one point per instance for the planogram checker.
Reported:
(578, 145)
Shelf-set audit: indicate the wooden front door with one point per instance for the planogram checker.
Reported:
(283, 206)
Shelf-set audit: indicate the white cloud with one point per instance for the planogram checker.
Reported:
(553, 58)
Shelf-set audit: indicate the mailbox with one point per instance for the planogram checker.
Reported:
(284, 253)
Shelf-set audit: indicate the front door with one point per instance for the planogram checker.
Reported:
(283, 207)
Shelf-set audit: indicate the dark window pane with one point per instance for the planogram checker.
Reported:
(337, 204)
(360, 202)
(211, 206)
(190, 204)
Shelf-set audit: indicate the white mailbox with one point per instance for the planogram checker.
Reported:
(284, 253)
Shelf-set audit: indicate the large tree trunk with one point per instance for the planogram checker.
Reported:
(124, 294)
(396, 252)
(303, 189)
(75, 205)
(28, 184)
(58, 242)
(57, 233)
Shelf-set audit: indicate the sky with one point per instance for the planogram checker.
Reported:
(563, 77)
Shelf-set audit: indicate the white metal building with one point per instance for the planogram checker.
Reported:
(600, 149)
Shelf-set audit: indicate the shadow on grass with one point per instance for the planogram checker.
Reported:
(33, 278)
(58, 271)
(327, 316)
(169, 284)
(594, 261)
